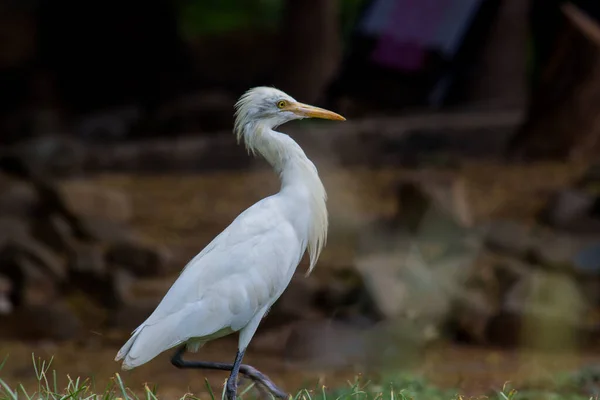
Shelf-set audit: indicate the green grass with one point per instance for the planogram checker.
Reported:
(406, 387)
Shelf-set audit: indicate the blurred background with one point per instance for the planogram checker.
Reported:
(463, 189)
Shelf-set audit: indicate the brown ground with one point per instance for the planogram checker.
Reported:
(185, 212)
(475, 371)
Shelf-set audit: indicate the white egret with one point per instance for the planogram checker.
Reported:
(231, 284)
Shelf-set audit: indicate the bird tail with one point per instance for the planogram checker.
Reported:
(158, 335)
(144, 344)
(123, 354)
(125, 349)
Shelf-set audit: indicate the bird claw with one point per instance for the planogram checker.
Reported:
(231, 387)
(261, 379)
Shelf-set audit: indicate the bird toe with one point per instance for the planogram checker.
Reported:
(231, 390)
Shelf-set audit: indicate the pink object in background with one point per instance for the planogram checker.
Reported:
(407, 56)
(409, 27)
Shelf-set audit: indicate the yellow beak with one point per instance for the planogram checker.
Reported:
(304, 110)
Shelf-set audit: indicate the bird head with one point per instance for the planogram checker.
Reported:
(272, 107)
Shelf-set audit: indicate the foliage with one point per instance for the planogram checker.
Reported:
(206, 17)
(199, 17)
(402, 387)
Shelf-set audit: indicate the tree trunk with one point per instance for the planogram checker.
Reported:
(563, 120)
(310, 48)
(499, 78)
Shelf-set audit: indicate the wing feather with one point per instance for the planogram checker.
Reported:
(152, 339)
(223, 287)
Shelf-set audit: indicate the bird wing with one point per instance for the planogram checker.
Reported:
(242, 271)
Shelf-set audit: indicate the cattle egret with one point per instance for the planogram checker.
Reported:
(231, 284)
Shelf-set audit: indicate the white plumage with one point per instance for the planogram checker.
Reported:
(230, 285)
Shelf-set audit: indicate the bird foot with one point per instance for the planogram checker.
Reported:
(231, 389)
(263, 380)
(247, 370)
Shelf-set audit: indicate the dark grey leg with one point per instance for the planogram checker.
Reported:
(231, 389)
(247, 370)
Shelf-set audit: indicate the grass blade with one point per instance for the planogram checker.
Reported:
(209, 388)
(24, 392)
(3, 362)
(7, 389)
(122, 386)
(247, 389)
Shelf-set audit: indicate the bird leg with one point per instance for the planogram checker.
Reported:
(231, 389)
(247, 370)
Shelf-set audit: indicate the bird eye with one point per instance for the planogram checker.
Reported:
(281, 103)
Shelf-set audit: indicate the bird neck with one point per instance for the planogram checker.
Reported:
(299, 178)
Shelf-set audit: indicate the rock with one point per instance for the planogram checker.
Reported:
(19, 199)
(6, 285)
(413, 203)
(546, 308)
(341, 294)
(37, 288)
(6, 288)
(55, 232)
(140, 259)
(90, 274)
(21, 249)
(382, 236)
(88, 259)
(590, 178)
(90, 200)
(51, 203)
(381, 276)
(274, 340)
(423, 213)
(43, 257)
(298, 301)
(508, 237)
(398, 343)
(30, 284)
(546, 293)
(337, 294)
(590, 289)
(70, 242)
(6, 306)
(504, 330)
(555, 251)
(330, 344)
(58, 234)
(569, 209)
(407, 283)
(539, 332)
(545, 247)
(423, 196)
(55, 155)
(480, 300)
(473, 312)
(423, 192)
(587, 260)
(325, 344)
(134, 291)
(108, 231)
(11, 229)
(346, 296)
(450, 195)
